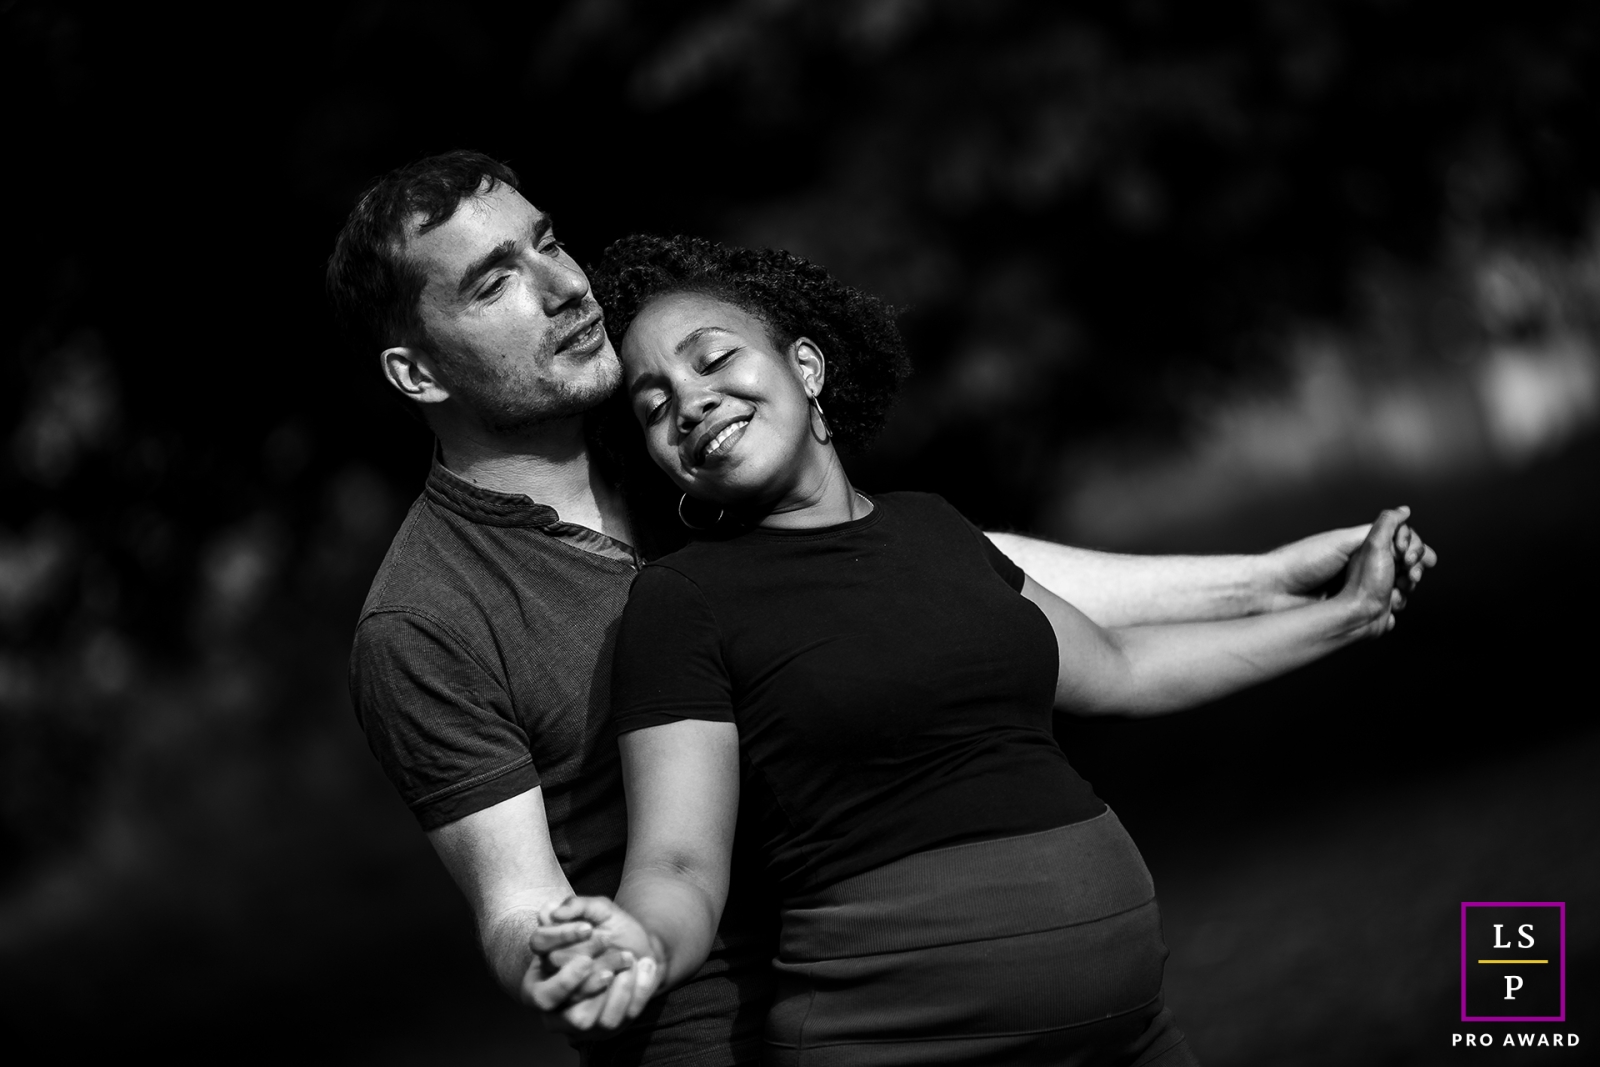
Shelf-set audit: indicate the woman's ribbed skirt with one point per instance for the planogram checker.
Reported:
(1039, 949)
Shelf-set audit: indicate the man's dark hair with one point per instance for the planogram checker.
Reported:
(866, 356)
(373, 285)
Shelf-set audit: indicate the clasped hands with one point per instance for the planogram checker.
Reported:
(594, 967)
(1384, 561)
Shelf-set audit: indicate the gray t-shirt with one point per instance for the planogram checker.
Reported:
(481, 669)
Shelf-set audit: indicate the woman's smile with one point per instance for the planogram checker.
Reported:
(718, 440)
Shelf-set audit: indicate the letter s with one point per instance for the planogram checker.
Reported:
(1525, 935)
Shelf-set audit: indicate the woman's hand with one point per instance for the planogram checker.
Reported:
(597, 965)
(1302, 571)
(1415, 559)
(1387, 564)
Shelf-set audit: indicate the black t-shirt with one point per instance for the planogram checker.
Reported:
(892, 689)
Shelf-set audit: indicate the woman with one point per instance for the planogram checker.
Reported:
(874, 684)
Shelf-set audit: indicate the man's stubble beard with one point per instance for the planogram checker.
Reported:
(513, 406)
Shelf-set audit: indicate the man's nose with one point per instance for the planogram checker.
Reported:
(561, 284)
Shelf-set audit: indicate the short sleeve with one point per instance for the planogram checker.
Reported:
(668, 664)
(440, 725)
(1003, 565)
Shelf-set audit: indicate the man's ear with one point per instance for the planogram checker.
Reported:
(412, 371)
(809, 361)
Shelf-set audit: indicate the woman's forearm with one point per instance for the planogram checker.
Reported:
(1181, 665)
(682, 783)
(679, 915)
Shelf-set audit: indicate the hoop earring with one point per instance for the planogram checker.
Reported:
(826, 429)
(684, 499)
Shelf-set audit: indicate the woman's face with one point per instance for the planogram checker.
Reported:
(726, 413)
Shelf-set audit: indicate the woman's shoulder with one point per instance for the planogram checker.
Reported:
(664, 592)
(919, 505)
(692, 564)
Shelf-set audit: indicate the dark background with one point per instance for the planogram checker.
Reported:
(1178, 277)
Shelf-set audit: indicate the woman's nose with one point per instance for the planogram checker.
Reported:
(694, 409)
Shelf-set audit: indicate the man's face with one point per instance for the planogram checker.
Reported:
(517, 335)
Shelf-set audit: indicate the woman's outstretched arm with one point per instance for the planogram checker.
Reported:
(682, 784)
(1146, 670)
(1115, 589)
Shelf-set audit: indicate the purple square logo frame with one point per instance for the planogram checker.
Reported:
(1513, 961)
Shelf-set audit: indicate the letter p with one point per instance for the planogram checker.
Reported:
(1511, 990)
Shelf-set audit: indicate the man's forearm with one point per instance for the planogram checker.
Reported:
(506, 948)
(1124, 590)
(503, 862)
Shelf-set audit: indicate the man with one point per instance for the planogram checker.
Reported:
(480, 670)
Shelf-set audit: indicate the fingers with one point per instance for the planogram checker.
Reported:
(582, 1015)
(578, 909)
(1387, 526)
(1420, 558)
(547, 939)
(617, 1001)
(600, 979)
(1413, 557)
(616, 959)
(627, 995)
(581, 976)
(647, 978)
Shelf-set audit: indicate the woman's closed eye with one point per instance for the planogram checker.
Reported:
(717, 359)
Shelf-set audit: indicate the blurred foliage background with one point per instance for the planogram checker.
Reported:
(1177, 277)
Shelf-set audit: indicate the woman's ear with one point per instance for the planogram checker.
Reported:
(808, 360)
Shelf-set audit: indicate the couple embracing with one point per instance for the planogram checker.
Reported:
(763, 771)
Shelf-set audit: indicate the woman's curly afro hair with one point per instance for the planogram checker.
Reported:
(856, 332)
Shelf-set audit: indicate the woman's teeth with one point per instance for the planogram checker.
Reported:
(722, 438)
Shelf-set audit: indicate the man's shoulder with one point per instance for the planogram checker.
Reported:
(419, 568)
(493, 589)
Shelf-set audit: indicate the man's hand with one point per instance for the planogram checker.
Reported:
(1303, 571)
(595, 967)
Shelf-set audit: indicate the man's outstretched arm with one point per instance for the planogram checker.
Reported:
(503, 862)
(1115, 589)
